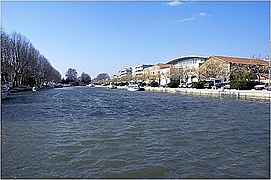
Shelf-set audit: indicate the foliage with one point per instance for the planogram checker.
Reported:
(154, 84)
(173, 84)
(212, 69)
(85, 78)
(198, 85)
(71, 75)
(242, 84)
(102, 76)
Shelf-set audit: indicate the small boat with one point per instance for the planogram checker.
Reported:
(34, 89)
(111, 86)
(134, 87)
(91, 85)
(4, 91)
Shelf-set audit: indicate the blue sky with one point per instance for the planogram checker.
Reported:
(95, 37)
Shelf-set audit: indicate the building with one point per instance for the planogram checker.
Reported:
(188, 66)
(164, 76)
(138, 70)
(153, 73)
(125, 71)
(226, 67)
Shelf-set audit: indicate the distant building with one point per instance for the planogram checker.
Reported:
(153, 73)
(125, 71)
(230, 65)
(164, 75)
(138, 70)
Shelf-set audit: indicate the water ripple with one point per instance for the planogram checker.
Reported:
(83, 132)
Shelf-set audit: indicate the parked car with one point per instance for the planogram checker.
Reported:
(213, 83)
(226, 85)
(185, 85)
(260, 86)
(208, 84)
(182, 85)
(188, 85)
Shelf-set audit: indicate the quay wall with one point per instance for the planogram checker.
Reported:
(227, 93)
(230, 93)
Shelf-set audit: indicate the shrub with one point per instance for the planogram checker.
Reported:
(242, 84)
(198, 85)
(173, 84)
(154, 84)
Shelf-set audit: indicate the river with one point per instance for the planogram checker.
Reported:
(83, 132)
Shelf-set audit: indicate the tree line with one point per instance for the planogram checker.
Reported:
(23, 64)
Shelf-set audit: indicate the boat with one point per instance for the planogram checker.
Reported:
(4, 91)
(34, 89)
(134, 87)
(111, 86)
(91, 85)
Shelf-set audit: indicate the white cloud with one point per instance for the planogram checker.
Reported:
(187, 19)
(202, 14)
(174, 3)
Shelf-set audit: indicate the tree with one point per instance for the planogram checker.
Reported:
(85, 78)
(102, 77)
(22, 64)
(213, 69)
(71, 75)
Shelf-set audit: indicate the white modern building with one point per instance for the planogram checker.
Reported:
(189, 65)
(125, 71)
(187, 61)
(138, 70)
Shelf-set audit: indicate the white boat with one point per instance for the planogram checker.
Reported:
(134, 87)
(111, 86)
(34, 89)
(91, 85)
(4, 91)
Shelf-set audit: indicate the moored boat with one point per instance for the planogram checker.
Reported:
(134, 87)
(91, 85)
(111, 86)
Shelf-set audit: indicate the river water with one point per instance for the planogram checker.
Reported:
(83, 132)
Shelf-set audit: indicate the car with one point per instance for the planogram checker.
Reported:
(188, 85)
(182, 85)
(208, 84)
(260, 86)
(225, 85)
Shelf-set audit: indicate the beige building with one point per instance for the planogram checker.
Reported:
(226, 67)
(153, 73)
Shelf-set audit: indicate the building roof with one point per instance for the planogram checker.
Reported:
(161, 65)
(178, 59)
(241, 60)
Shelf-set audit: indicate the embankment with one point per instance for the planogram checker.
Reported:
(230, 93)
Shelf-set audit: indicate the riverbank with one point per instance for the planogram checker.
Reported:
(227, 93)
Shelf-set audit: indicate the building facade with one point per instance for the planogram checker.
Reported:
(153, 73)
(125, 71)
(138, 70)
(188, 66)
(227, 67)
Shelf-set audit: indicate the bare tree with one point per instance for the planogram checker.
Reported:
(85, 78)
(71, 74)
(213, 69)
(21, 63)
